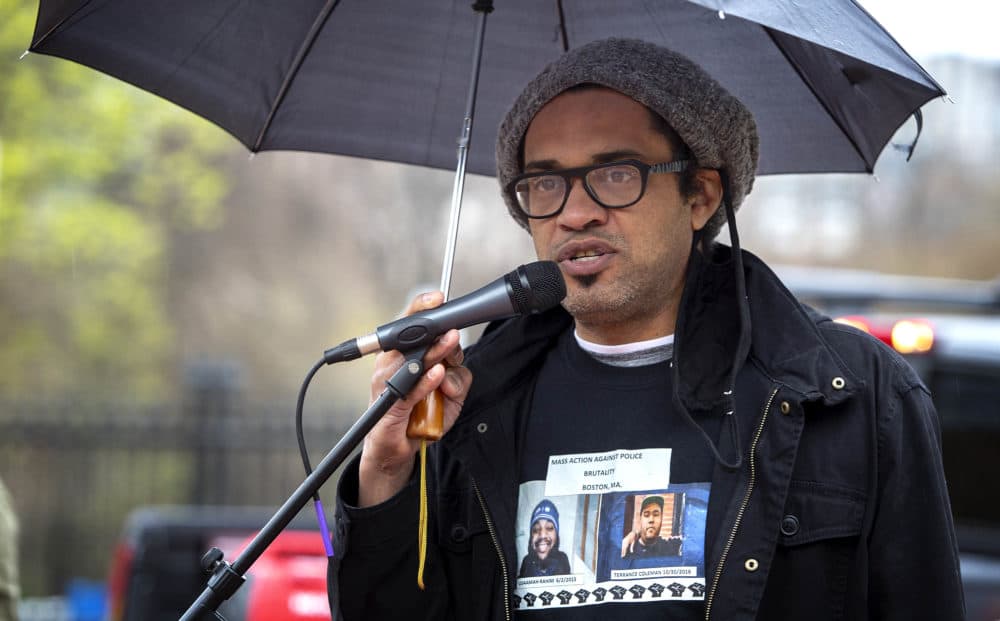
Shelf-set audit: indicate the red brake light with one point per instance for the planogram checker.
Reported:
(907, 336)
(912, 336)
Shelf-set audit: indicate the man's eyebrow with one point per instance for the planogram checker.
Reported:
(598, 158)
(621, 154)
(541, 165)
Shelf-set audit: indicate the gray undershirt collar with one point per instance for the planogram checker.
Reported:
(637, 354)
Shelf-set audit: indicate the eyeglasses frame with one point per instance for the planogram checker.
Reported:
(581, 172)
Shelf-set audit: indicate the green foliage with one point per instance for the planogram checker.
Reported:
(97, 178)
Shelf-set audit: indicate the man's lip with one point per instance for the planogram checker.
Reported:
(574, 248)
(602, 254)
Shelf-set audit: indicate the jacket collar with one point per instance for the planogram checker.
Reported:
(785, 339)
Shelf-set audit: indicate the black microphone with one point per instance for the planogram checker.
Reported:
(529, 289)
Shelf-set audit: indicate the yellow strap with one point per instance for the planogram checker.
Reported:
(422, 526)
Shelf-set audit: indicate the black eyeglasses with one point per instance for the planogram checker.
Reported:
(612, 185)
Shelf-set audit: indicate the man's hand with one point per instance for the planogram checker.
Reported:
(387, 454)
(628, 543)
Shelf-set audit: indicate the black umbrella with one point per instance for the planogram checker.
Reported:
(389, 79)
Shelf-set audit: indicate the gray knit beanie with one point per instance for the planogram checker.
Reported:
(717, 127)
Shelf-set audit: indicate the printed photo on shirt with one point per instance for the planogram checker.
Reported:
(652, 526)
(556, 537)
(657, 533)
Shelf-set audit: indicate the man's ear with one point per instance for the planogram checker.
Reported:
(706, 197)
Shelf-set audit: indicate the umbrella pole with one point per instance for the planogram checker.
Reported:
(427, 419)
(484, 8)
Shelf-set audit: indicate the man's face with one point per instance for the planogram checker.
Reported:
(652, 517)
(543, 537)
(624, 268)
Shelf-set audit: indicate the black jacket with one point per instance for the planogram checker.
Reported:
(839, 509)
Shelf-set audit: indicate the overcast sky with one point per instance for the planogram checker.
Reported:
(930, 27)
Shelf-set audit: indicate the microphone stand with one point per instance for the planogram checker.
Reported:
(227, 578)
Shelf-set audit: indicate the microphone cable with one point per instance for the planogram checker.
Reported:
(324, 528)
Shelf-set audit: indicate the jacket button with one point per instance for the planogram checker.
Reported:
(838, 383)
(751, 564)
(482, 427)
(789, 525)
(459, 533)
(785, 407)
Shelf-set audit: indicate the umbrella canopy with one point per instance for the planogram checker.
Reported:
(387, 79)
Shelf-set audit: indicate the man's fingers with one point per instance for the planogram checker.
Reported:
(386, 365)
(456, 357)
(456, 383)
(442, 362)
(446, 349)
(430, 380)
(424, 301)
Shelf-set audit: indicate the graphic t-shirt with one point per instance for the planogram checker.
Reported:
(613, 494)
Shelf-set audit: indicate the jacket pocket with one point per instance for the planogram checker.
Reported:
(816, 511)
(459, 521)
(818, 539)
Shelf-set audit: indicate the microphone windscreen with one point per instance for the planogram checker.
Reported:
(536, 287)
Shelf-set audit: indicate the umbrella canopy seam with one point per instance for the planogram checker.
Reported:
(869, 166)
(293, 70)
(35, 44)
(564, 37)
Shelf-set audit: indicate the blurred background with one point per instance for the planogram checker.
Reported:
(162, 294)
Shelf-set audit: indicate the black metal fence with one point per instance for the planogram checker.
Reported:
(75, 470)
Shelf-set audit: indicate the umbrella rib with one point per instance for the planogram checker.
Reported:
(562, 26)
(293, 70)
(888, 34)
(870, 166)
(35, 44)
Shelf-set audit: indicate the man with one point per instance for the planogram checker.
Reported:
(674, 363)
(544, 557)
(645, 541)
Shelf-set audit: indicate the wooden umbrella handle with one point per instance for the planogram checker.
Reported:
(427, 418)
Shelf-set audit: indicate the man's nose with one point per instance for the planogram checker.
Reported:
(580, 210)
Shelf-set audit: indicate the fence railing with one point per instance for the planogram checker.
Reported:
(76, 470)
